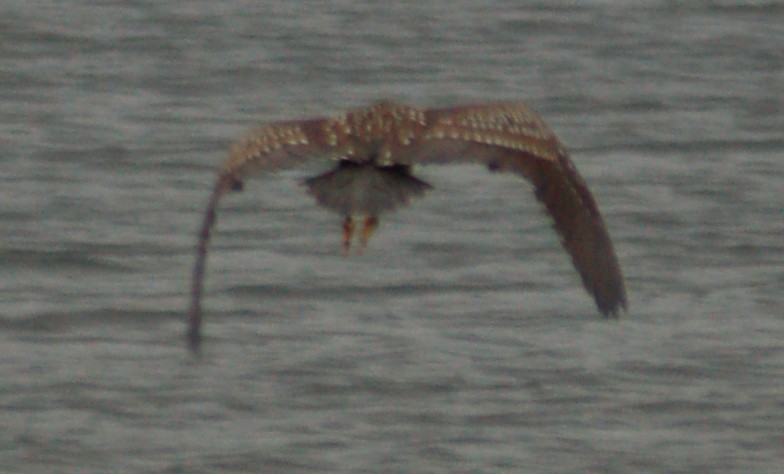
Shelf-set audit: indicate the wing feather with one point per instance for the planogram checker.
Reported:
(275, 146)
(512, 137)
(268, 148)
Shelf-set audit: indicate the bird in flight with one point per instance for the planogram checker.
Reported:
(374, 149)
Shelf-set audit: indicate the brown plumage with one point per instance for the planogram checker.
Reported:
(375, 148)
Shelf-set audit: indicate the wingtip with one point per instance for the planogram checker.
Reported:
(613, 309)
(193, 338)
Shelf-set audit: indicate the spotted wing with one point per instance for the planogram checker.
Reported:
(373, 134)
(271, 147)
(512, 137)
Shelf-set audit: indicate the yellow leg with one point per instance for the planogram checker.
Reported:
(370, 226)
(348, 232)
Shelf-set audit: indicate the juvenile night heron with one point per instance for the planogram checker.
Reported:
(375, 148)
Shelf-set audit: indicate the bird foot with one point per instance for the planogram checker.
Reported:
(368, 228)
(348, 232)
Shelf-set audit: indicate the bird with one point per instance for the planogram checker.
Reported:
(373, 150)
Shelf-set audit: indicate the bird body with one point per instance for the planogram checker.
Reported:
(375, 149)
(364, 189)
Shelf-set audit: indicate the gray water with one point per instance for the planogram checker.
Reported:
(462, 340)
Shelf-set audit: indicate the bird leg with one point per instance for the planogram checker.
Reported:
(370, 226)
(348, 232)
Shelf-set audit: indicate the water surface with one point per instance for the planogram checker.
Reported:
(462, 340)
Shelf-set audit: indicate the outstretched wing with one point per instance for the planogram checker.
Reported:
(512, 137)
(270, 147)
